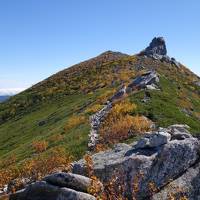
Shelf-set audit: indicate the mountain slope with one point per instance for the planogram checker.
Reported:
(57, 110)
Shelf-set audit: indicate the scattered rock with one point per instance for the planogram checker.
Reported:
(95, 121)
(179, 131)
(147, 97)
(173, 61)
(41, 123)
(69, 180)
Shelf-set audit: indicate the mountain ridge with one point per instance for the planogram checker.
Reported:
(55, 113)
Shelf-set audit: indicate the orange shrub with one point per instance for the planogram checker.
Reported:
(118, 129)
(119, 125)
(8, 174)
(37, 167)
(95, 187)
(140, 124)
(40, 146)
(8, 161)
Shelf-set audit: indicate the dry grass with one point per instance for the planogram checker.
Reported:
(75, 121)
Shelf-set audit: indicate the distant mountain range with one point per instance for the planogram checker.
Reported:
(4, 98)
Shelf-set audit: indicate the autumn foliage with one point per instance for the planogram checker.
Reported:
(37, 167)
(40, 146)
(74, 121)
(120, 125)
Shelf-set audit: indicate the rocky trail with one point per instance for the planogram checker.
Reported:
(148, 80)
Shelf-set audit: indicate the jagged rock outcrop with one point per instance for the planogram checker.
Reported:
(157, 46)
(119, 94)
(58, 186)
(157, 159)
(158, 51)
(148, 80)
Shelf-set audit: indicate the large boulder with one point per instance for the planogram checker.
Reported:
(44, 191)
(69, 180)
(147, 79)
(153, 140)
(187, 185)
(58, 186)
(154, 160)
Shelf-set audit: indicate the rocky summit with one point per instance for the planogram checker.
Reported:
(157, 50)
(157, 46)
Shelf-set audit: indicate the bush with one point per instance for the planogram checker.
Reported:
(123, 127)
(42, 165)
(40, 146)
(120, 125)
(122, 108)
(37, 167)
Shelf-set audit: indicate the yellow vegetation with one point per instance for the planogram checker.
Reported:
(75, 121)
(120, 125)
(122, 108)
(40, 146)
(95, 108)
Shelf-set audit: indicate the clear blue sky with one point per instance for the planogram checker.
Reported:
(41, 37)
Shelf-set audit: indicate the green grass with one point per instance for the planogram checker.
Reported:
(163, 107)
(17, 134)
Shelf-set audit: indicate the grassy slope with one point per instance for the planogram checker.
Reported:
(72, 91)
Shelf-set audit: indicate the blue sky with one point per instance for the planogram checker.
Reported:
(40, 37)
